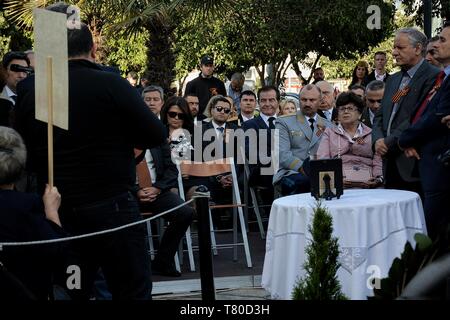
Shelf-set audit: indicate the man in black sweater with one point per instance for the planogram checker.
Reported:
(95, 168)
(205, 85)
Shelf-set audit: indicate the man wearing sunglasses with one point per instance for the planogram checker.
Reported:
(12, 63)
(219, 132)
(374, 95)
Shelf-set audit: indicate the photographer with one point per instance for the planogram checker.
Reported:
(428, 140)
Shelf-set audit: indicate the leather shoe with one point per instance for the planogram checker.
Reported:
(167, 271)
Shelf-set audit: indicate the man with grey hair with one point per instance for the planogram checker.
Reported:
(373, 96)
(300, 135)
(403, 91)
(154, 98)
(327, 108)
(235, 87)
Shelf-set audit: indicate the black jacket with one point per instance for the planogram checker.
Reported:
(94, 159)
(22, 218)
(204, 89)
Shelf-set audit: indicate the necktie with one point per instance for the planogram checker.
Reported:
(143, 174)
(271, 123)
(402, 91)
(220, 129)
(14, 97)
(430, 95)
(311, 120)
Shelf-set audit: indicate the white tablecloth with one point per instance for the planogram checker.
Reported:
(372, 227)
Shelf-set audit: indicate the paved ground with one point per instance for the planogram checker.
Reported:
(225, 294)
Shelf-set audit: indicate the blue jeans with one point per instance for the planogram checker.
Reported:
(121, 255)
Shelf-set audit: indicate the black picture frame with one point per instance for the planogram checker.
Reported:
(326, 178)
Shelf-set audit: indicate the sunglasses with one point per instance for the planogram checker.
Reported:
(373, 100)
(179, 116)
(220, 109)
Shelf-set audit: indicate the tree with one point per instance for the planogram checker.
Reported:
(321, 281)
(440, 9)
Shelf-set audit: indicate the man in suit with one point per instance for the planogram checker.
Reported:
(157, 197)
(429, 137)
(327, 108)
(205, 85)
(263, 127)
(403, 90)
(379, 73)
(300, 135)
(374, 95)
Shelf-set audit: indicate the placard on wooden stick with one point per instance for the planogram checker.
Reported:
(50, 41)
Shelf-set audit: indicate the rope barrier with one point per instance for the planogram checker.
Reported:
(93, 234)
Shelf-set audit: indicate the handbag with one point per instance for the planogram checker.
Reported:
(357, 174)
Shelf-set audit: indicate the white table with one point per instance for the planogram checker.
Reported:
(372, 227)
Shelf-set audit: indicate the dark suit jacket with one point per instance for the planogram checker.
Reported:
(334, 114)
(258, 124)
(6, 107)
(420, 84)
(94, 159)
(371, 77)
(365, 117)
(166, 170)
(225, 144)
(431, 138)
(22, 218)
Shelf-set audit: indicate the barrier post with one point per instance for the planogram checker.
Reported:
(204, 242)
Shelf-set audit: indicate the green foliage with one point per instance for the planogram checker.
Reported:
(321, 281)
(415, 9)
(128, 54)
(343, 68)
(411, 261)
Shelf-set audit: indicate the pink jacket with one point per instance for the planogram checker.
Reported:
(334, 142)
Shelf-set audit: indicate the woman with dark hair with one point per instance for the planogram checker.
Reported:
(351, 140)
(176, 116)
(360, 72)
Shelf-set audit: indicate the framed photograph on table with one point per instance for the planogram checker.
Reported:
(326, 178)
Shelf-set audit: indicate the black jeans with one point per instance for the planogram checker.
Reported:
(122, 255)
(179, 220)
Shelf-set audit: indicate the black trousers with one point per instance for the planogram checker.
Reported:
(179, 221)
(437, 216)
(395, 181)
(122, 255)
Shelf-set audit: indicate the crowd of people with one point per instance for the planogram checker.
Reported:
(119, 158)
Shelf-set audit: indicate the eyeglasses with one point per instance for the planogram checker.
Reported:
(220, 109)
(374, 100)
(178, 115)
(347, 108)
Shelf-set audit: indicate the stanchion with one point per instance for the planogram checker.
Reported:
(204, 240)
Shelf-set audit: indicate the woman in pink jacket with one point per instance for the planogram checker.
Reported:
(351, 141)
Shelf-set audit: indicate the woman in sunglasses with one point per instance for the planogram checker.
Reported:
(176, 116)
(351, 140)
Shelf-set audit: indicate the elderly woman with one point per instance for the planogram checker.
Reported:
(351, 141)
(25, 217)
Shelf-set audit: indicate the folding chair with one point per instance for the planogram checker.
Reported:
(213, 168)
(255, 203)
